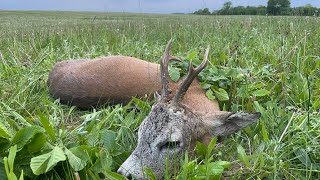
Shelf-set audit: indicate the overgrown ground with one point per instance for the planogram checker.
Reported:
(266, 64)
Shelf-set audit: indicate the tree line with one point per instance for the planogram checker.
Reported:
(274, 7)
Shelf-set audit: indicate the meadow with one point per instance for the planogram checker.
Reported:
(257, 63)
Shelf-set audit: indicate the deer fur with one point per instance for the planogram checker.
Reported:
(181, 115)
(89, 83)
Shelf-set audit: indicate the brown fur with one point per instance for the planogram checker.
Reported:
(116, 79)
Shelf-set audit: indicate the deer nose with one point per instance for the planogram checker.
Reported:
(124, 173)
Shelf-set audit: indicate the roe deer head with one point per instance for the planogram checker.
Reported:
(172, 127)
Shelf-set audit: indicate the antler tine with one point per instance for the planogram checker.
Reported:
(193, 72)
(164, 70)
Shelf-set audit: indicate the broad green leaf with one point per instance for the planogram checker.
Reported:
(9, 164)
(214, 169)
(216, 78)
(242, 155)
(11, 156)
(114, 176)
(38, 164)
(174, 74)
(57, 155)
(129, 119)
(205, 85)
(209, 94)
(196, 63)
(214, 70)
(47, 126)
(191, 167)
(93, 139)
(192, 55)
(242, 91)
(37, 143)
(24, 135)
(211, 171)
(4, 131)
(102, 163)
(12, 176)
(2, 169)
(45, 162)
(256, 86)
(224, 164)
(212, 144)
(249, 132)
(75, 162)
(223, 56)
(4, 144)
(108, 138)
(201, 149)
(221, 94)
(260, 92)
(232, 72)
(83, 152)
(6, 166)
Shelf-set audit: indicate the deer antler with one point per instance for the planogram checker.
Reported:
(165, 72)
(193, 72)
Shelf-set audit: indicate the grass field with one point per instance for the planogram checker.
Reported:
(266, 64)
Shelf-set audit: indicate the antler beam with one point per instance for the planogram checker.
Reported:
(165, 72)
(193, 72)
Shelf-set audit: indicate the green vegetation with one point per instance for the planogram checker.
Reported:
(278, 7)
(273, 7)
(265, 64)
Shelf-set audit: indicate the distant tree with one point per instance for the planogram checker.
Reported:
(307, 10)
(239, 10)
(261, 10)
(227, 5)
(204, 11)
(275, 7)
(278, 7)
(310, 10)
(226, 8)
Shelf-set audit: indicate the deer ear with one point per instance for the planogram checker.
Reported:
(226, 123)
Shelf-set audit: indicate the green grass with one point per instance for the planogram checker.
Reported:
(251, 53)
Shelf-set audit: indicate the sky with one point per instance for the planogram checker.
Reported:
(139, 6)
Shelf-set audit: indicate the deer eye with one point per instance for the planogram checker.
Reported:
(170, 145)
